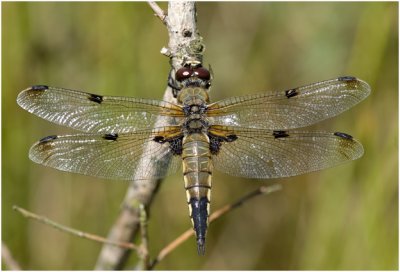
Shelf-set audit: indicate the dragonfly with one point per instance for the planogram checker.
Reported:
(253, 136)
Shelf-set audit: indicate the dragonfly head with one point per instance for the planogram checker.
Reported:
(188, 72)
(193, 76)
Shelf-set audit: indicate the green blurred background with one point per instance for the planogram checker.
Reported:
(340, 218)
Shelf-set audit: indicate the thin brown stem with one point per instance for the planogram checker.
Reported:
(73, 231)
(159, 12)
(263, 190)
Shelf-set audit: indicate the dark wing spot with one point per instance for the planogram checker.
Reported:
(96, 98)
(343, 135)
(280, 134)
(292, 92)
(159, 139)
(175, 145)
(47, 139)
(215, 144)
(39, 87)
(111, 136)
(231, 138)
(347, 78)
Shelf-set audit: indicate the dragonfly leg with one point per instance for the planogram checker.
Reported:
(173, 85)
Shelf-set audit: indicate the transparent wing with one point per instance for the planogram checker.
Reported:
(130, 156)
(293, 108)
(267, 154)
(95, 113)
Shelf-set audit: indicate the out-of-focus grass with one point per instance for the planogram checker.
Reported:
(340, 218)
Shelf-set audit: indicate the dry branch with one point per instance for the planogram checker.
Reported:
(184, 43)
(158, 11)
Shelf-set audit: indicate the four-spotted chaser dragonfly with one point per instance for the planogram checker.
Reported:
(247, 136)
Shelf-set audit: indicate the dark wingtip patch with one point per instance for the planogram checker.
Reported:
(347, 78)
(343, 135)
(48, 139)
(39, 87)
(280, 134)
(111, 136)
(96, 98)
(291, 93)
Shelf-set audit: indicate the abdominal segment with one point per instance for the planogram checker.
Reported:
(197, 170)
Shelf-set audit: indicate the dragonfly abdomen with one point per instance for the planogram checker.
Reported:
(197, 171)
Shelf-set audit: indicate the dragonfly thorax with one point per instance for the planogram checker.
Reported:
(195, 125)
(195, 120)
(193, 96)
(194, 101)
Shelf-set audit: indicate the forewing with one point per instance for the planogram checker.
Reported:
(95, 113)
(268, 154)
(128, 156)
(289, 109)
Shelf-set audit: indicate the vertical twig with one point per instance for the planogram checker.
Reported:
(144, 246)
(184, 44)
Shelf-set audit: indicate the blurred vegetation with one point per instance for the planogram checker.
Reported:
(340, 218)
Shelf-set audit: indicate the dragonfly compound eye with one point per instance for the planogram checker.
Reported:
(202, 73)
(183, 73)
